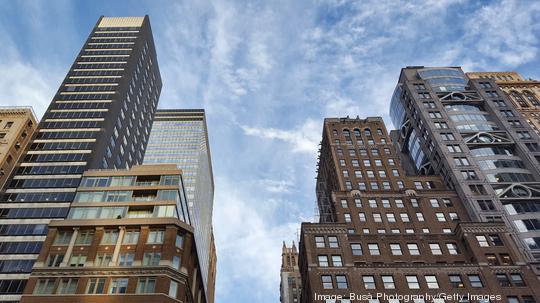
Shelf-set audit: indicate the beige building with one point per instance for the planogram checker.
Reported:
(290, 286)
(525, 94)
(17, 125)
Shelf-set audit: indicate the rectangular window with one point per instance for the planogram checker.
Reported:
(333, 242)
(356, 249)
(388, 282)
(336, 261)
(67, 286)
(374, 249)
(369, 282)
(146, 285)
(432, 282)
(323, 260)
(44, 287)
(327, 282)
(118, 286)
(413, 249)
(396, 249)
(482, 241)
(131, 237)
(156, 237)
(455, 281)
(110, 236)
(126, 259)
(412, 282)
(475, 281)
(452, 248)
(151, 258)
(95, 286)
(173, 289)
(341, 282)
(77, 260)
(435, 249)
(63, 237)
(319, 242)
(85, 237)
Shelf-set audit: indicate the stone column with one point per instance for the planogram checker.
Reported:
(69, 250)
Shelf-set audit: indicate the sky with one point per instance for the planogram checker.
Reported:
(267, 73)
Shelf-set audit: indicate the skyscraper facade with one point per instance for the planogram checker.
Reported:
(524, 94)
(290, 285)
(386, 236)
(100, 117)
(127, 238)
(469, 132)
(17, 125)
(180, 136)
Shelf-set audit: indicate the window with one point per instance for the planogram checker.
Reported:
(404, 217)
(176, 262)
(109, 236)
(362, 217)
(388, 282)
(391, 218)
(469, 175)
(517, 280)
(413, 249)
(356, 249)
(412, 282)
(434, 202)
(358, 202)
(440, 217)
(319, 242)
(323, 261)
(146, 285)
(395, 173)
(503, 280)
(361, 185)
(44, 287)
(396, 249)
(495, 240)
(341, 282)
(332, 242)
(8, 125)
(358, 174)
(482, 241)
(126, 259)
(85, 237)
(95, 286)
(63, 237)
(420, 217)
(399, 203)
(454, 148)
(435, 249)
(151, 258)
(431, 282)
(77, 260)
(418, 185)
(336, 261)
(156, 236)
(103, 259)
(400, 184)
(327, 282)
(512, 299)
(452, 248)
(372, 203)
(67, 286)
(118, 286)
(131, 237)
(55, 260)
(461, 161)
(486, 205)
(377, 217)
(475, 281)
(455, 281)
(374, 249)
(344, 203)
(369, 282)
(447, 202)
(367, 163)
(447, 136)
(173, 289)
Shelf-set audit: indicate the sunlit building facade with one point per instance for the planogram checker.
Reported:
(180, 136)
(127, 238)
(469, 132)
(524, 93)
(100, 117)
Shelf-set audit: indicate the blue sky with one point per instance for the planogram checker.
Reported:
(267, 72)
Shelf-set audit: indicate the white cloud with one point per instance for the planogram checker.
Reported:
(304, 139)
(506, 31)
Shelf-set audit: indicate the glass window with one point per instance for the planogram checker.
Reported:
(156, 236)
(173, 289)
(356, 249)
(475, 281)
(333, 242)
(432, 282)
(396, 249)
(435, 248)
(455, 281)
(341, 282)
(327, 282)
(319, 242)
(151, 258)
(118, 286)
(110, 236)
(131, 237)
(67, 286)
(369, 282)
(95, 286)
(336, 261)
(413, 249)
(412, 282)
(482, 241)
(146, 285)
(388, 282)
(374, 249)
(323, 260)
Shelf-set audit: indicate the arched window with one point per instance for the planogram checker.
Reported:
(334, 132)
(356, 132)
(519, 99)
(367, 132)
(531, 97)
(379, 132)
(346, 133)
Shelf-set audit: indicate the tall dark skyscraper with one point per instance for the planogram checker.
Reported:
(385, 236)
(468, 131)
(100, 117)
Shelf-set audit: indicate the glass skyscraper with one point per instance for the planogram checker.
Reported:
(100, 117)
(180, 136)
